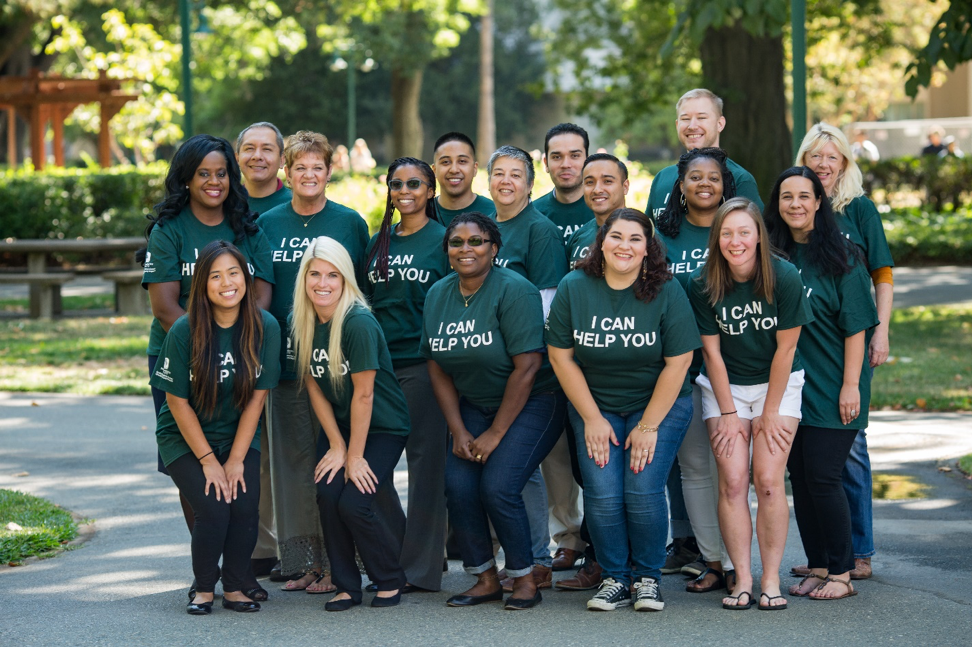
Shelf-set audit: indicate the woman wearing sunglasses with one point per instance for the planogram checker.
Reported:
(483, 336)
(292, 427)
(404, 261)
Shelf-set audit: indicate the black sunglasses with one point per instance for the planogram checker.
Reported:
(413, 184)
(473, 241)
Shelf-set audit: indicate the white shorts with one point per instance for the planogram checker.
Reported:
(749, 400)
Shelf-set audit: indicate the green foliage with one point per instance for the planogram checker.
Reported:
(70, 203)
(930, 366)
(949, 43)
(946, 182)
(45, 526)
(918, 238)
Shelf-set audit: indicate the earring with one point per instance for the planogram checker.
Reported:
(644, 269)
(681, 200)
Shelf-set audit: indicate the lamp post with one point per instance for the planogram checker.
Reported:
(798, 18)
(185, 18)
(350, 63)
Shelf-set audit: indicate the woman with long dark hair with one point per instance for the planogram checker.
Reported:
(704, 184)
(405, 259)
(482, 333)
(750, 307)
(215, 367)
(343, 361)
(204, 201)
(620, 335)
(838, 379)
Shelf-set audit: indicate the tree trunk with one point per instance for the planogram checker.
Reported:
(486, 130)
(407, 134)
(747, 72)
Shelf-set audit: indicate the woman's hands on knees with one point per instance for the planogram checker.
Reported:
(776, 435)
(216, 477)
(642, 446)
(330, 464)
(599, 436)
(462, 443)
(728, 428)
(359, 472)
(233, 469)
(484, 445)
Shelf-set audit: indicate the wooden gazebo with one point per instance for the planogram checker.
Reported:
(41, 99)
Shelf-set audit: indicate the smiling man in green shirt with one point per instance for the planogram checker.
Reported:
(605, 184)
(455, 167)
(564, 151)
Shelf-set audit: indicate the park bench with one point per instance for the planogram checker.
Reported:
(45, 286)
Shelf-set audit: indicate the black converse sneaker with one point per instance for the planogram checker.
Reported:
(610, 596)
(647, 595)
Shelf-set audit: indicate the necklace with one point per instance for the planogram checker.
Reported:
(466, 299)
(308, 221)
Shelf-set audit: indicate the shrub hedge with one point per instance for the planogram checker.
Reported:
(943, 181)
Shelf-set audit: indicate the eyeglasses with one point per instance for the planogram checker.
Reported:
(472, 241)
(413, 184)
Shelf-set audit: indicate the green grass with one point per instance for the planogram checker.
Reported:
(88, 302)
(965, 464)
(45, 526)
(931, 366)
(897, 487)
(97, 355)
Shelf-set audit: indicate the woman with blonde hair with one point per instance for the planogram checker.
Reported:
(750, 307)
(826, 152)
(343, 361)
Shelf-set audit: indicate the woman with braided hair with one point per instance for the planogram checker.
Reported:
(404, 260)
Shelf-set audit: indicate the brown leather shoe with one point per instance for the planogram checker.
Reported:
(588, 577)
(565, 558)
(542, 577)
(862, 569)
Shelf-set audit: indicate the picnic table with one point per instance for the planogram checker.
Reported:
(45, 285)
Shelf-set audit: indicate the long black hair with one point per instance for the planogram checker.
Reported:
(828, 250)
(383, 242)
(670, 221)
(181, 170)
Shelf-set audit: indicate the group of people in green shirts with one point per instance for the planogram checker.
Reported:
(550, 366)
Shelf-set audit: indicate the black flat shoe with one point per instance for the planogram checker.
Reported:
(257, 593)
(518, 604)
(341, 605)
(192, 587)
(242, 606)
(473, 600)
(387, 602)
(411, 588)
(371, 588)
(201, 609)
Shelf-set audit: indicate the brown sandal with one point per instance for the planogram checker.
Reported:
(299, 576)
(849, 594)
(795, 589)
(320, 577)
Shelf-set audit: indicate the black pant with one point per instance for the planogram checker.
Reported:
(158, 399)
(579, 479)
(816, 461)
(348, 520)
(221, 528)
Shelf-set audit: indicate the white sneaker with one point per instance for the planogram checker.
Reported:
(610, 596)
(647, 595)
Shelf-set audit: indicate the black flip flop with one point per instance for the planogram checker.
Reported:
(739, 607)
(771, 607)
(718, 584)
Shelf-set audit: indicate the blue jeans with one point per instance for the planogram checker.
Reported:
(857, 485)
(627, 514)
(479, 493)
(535, 500)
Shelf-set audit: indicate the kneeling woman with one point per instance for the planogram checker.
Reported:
(750, 307)
(621, 335)
(343, 361)
(837, 392)
(216, 364)
(483, 335)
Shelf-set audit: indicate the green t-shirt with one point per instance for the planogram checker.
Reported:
(289, 237)
(684, 254)
(578, 246)
(620, 342)
(364, 348)
(568, 217)
(173, 375)
(281, 196)
(475, 344)
(532, 247)
(173, 247)
(861, 223)
(747, 325)
(662, 184)
(415, 264)
(842, 307)
(482, 205)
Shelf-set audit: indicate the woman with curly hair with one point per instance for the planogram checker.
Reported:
(704, 183)
(204, 201)
(215, 367)
(292, 428)
(620, 337)
(405, 259)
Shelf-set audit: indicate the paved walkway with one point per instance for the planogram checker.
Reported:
(96, 456)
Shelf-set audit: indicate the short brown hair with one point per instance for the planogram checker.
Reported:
(307, 141)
